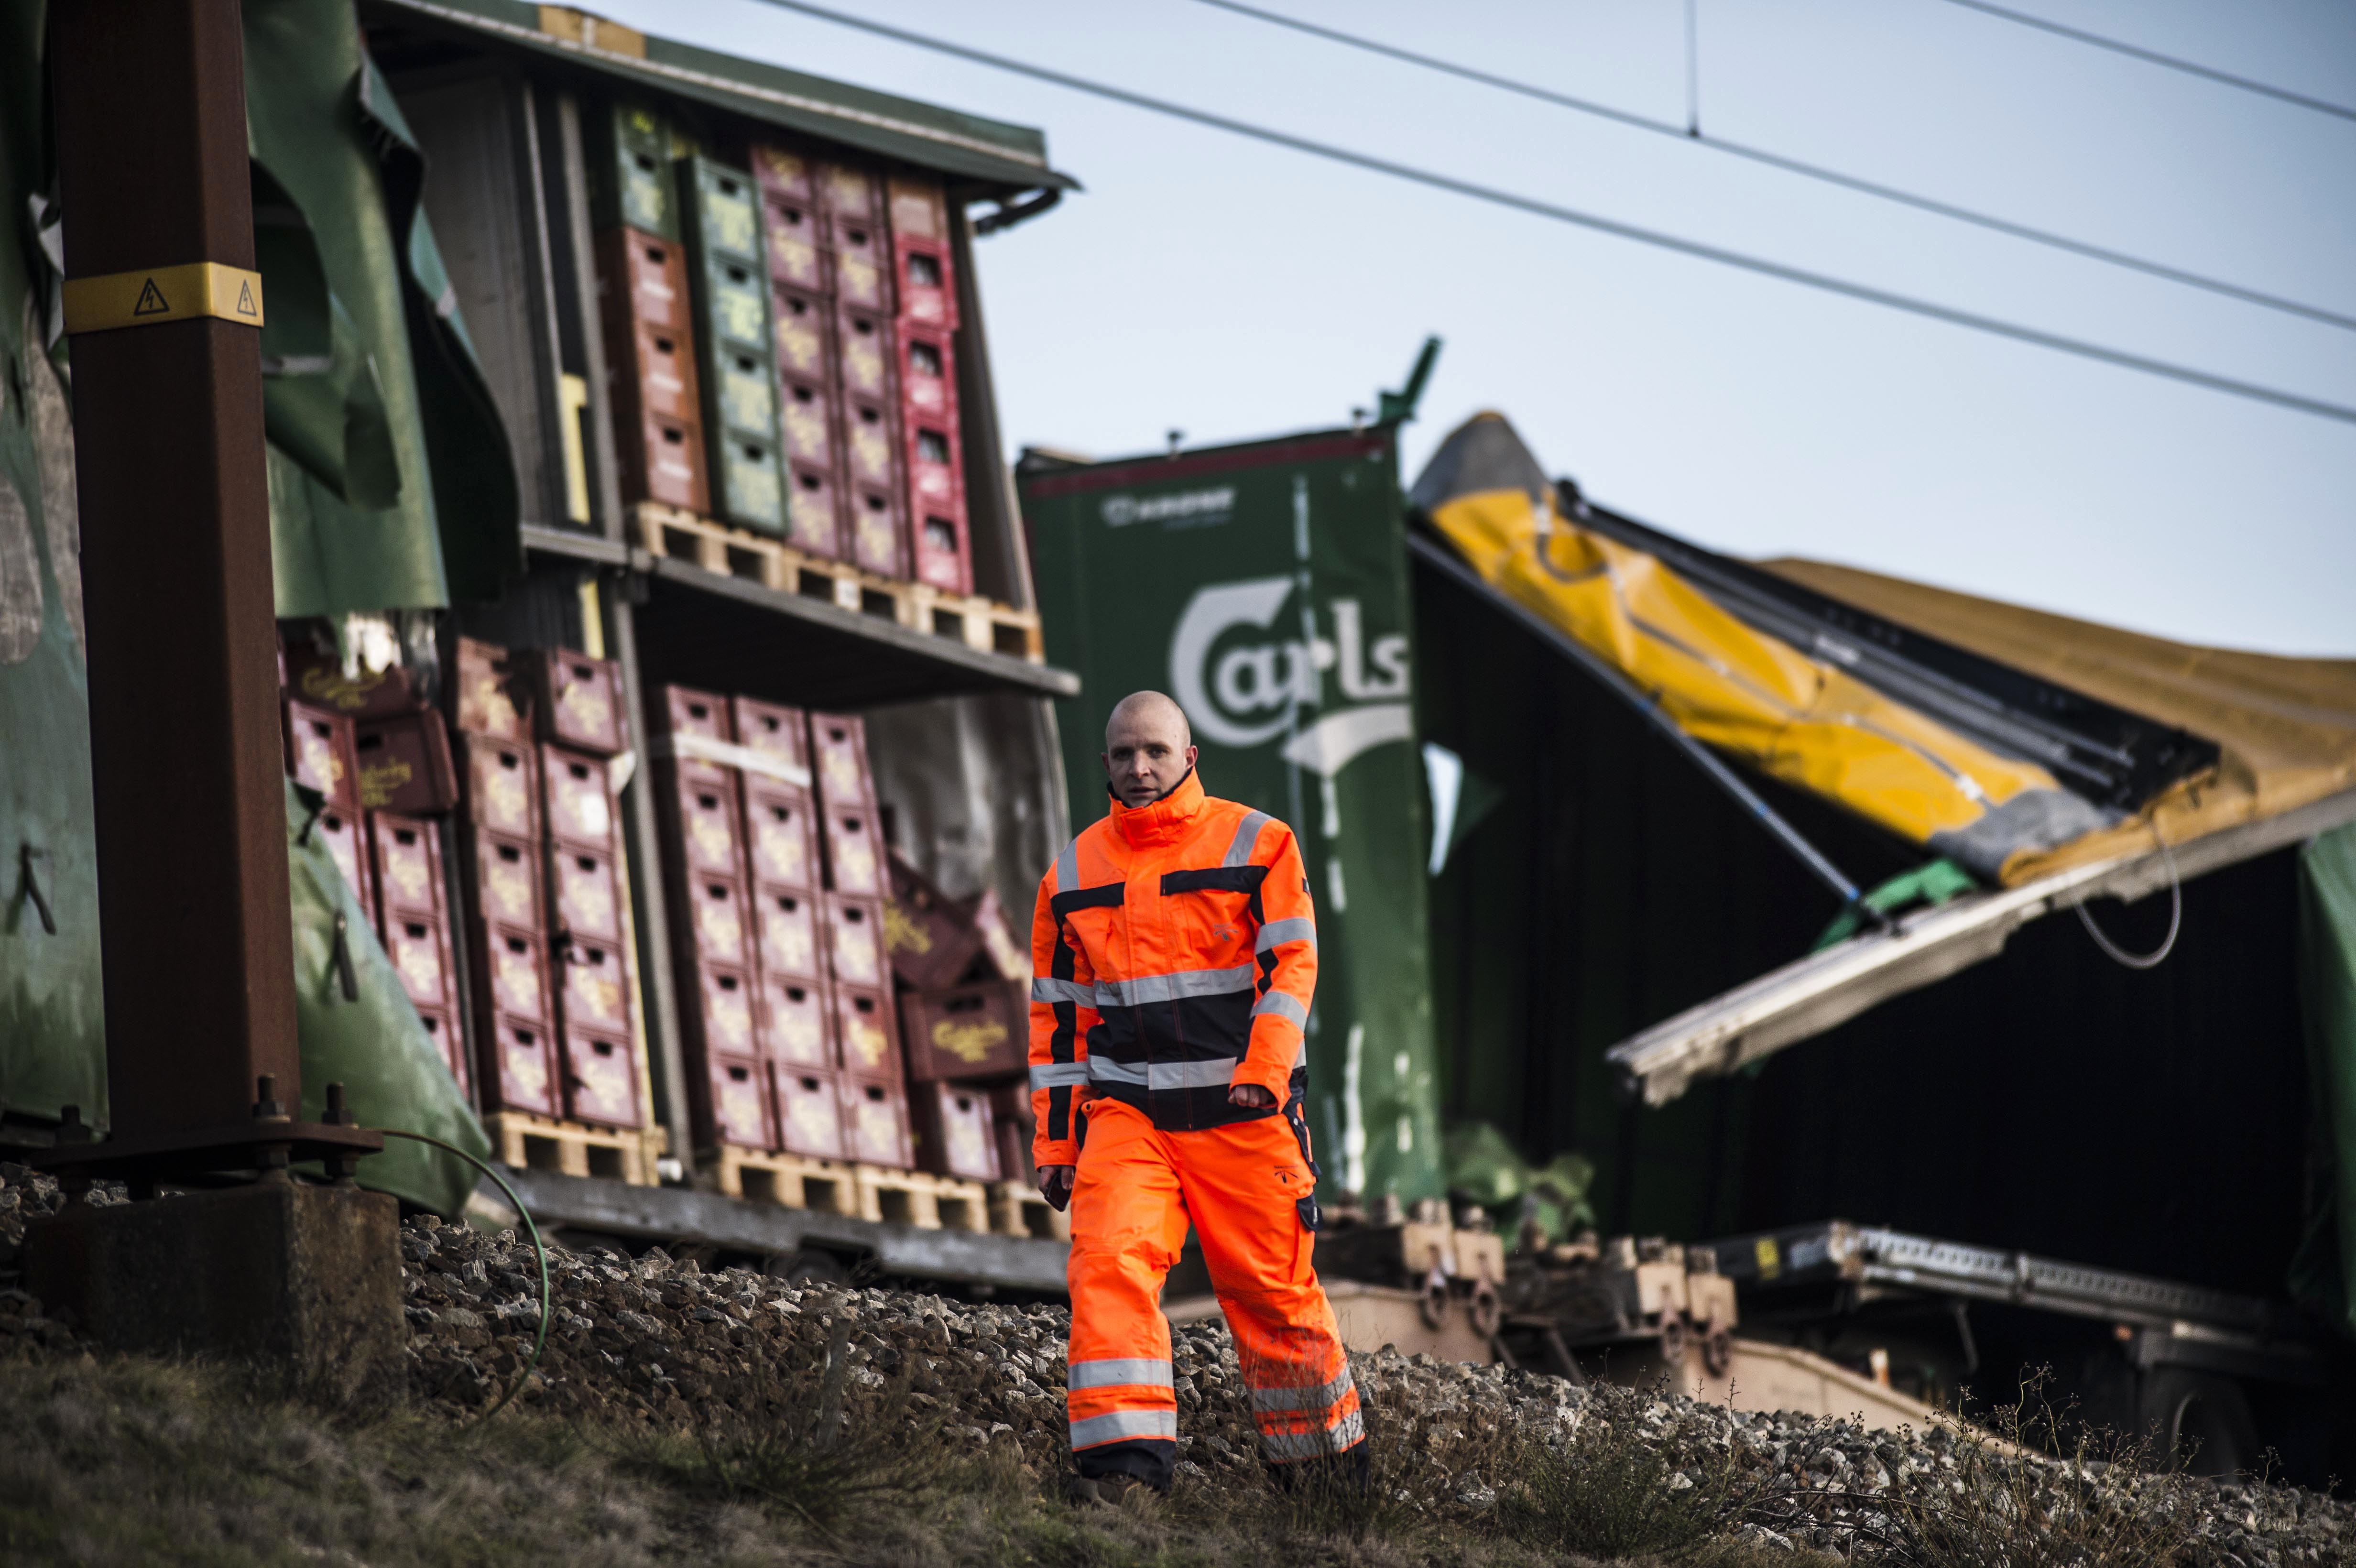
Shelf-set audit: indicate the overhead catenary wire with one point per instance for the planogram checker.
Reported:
(1692, 132)
(2153, 57)
(1826, 282)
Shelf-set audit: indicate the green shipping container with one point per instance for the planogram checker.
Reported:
(1264, 587)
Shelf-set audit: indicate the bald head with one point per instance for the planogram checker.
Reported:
(1148, 747)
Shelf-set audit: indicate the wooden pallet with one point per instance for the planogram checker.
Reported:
(791, 1181)
(1017, 1209)
(570, 1148)
(976, 622)
(928, 1202)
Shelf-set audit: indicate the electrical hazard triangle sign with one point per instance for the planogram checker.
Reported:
(151, 301)
(245, 305)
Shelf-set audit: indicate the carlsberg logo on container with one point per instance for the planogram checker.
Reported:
(1240, 678)
(1189, 508)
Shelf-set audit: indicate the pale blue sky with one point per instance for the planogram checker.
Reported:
(1233, 289)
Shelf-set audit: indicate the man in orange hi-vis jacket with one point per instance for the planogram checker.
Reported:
(1177, 955)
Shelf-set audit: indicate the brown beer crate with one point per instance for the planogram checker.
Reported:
(815, 499)
(440, 1025)
(408, 855)
(790, 227)
(318, 678)
(544, 1143)
(930, 943)
(577, 798)
(644, 278)
(952, 1131)
(866, 1035)
(720, 923)
(839, 759)
(418, 952)
(593, 990)
(966, 1032)
(809, 1111)
(784, 922)
(723, 1012)
(780, 834)
(587, 890)
(519, 1070)
(876, 1121)
(775, 731)
(852, 931)
(499, 786)
(346, 836)
(854, 836)
(796, 1022)
(511, 972)
(601, 1078)
(577, 700)
(1012, 1122)
(667, 386)
(741, 1112)
(406, 764)
(702, 798)
(507, 886)
(487, 694)
(319, 752)
(686, 711)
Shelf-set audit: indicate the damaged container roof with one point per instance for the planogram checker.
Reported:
(2053, 759)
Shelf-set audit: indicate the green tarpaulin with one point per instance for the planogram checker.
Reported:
(2323, 1274)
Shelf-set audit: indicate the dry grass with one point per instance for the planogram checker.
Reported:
(125, 1461)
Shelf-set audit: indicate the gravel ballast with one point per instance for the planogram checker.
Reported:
(662, 1343)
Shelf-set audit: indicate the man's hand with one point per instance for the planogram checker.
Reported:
(1055, 1186)
(1251, 1097)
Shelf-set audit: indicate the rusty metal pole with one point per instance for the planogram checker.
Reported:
(165, 311)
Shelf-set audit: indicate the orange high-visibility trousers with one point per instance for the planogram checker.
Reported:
(1137, 1189)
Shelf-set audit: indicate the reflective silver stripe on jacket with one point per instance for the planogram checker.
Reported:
(1147, 989)
(1323, 1398)
(1123, 1423)
(1053, 991)
(1103, 1071)
(1067, 867)
(1299, 928)
(1283, 1445)
(1283, 1006)
(1058, 1074)
(1247, 834)
(1132, 1372)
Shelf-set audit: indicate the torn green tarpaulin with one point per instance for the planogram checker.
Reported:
(2323, 1272)
(367, 1036)
(1934, 882)
(475, 491)
(1484, 1167)
(320, 401)
(317, 118)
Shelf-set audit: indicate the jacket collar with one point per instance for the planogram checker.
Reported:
(1166, 821)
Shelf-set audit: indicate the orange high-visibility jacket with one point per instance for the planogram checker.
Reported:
(1176, 952)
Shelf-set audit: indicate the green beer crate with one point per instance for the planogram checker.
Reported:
(630, 157)
(720, 221)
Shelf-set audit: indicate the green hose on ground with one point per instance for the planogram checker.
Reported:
(540, 1249)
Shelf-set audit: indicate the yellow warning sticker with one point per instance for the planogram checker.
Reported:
(163, 293)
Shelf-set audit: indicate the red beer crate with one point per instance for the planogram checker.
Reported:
(666, 362)
(926, 286)
(852, 931)
(406, 764)
(601, 1079)
(318, 678)
(579, 798)
(866, 1034)
(665, 463)
(408, 855)
(346, 840)
(942, 547)
(499, 786)
(508, 889)
(804, 336)
(741, 1110)
(779, 833)
(796, 1031)
(851, 200)
(588, 893)
(718, 918)
(488, 694)
(777, 733)
(930, 943)
(519, 1067)
(875, 1121)
(645, 277)
(442, 1029)
(594, 990)
(709, 823)
(1012, 1123)
(954, 1132)
(577, 700)
(658, 407)
(420, 955)
(839, 759)
(724, 1010)
(809, 1111)
(686, 711)
(786, 923)
(512, 968)
(855, 849)
(796, 258)
(319, 753)
(813, 509)
(967, 1031)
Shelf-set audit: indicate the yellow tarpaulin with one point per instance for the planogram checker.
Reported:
(2285, 728)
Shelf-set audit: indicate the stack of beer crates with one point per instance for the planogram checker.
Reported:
(720, 217)
(380, 757)
(964, 1010)
(645, 304)
(560, 1073)
(809, 369)
(924, 332)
